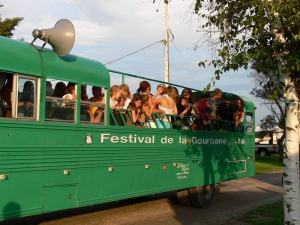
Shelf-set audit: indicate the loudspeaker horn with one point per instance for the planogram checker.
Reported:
(61, 37)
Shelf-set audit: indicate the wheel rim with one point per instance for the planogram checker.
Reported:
(263, 153)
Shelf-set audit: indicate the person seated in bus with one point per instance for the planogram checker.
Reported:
(225, 113)
(49, 89)
(5, 93)
(94, 111)
(165, 103)
(184, 104)
(70, 94)
(147, 110)
(217, 94)
(6, 87)
(121, 102)
(97, 97)
(59, 92)
(115, 94)
(206, 118)
(84, 96)
(126, 96)
(238, 116)
(201, 105)
(135, 106)
(145, 88)
(26, 101)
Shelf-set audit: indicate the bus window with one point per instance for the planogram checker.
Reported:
(61, 105)
(5, 94)
(26, 97)
(92, 104)
(249, 122)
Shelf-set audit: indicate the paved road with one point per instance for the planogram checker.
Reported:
(235, 197)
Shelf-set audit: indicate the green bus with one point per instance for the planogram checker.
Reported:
(53, 158)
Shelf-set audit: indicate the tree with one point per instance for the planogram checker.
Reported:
(273, 100)
(266, 32)
(7, 26)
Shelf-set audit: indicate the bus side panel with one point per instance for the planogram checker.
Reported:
(21, 194)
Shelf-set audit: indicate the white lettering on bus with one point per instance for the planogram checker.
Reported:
(127, 139)
(205, 141)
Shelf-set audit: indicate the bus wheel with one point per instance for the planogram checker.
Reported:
(202, 197)
(184, 197)
(217, 188)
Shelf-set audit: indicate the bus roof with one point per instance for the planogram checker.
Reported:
(19, 57)
(22, 57)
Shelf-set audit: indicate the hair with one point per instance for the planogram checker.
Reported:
(59, 90)
(217, 91)
(70, 87)
(172, 92)
(95, 88)
(145, 98)
(164, 88)
(123, 97)
(135, 97)
(143, 86)
(191, 96)
(84, 95)
(242, 103)
(28, 86)
(205, 95)
(114, 88)
(48, 83)
(126, 89)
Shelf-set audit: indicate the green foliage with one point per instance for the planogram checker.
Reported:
(7, 26)
(249, 31)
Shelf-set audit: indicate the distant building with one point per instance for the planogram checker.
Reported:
(268, 136)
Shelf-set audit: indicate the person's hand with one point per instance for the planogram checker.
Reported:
(28, 104)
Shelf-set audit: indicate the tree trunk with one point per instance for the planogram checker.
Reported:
(291, 157)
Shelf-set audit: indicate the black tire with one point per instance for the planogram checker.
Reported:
(263, 152)
(202, 197)
(184, 197)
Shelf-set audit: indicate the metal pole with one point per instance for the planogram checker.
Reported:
(167, 77)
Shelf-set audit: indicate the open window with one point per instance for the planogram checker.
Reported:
(60, 101)
(92, 104)
(24, 97)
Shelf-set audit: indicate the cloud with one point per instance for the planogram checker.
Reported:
(109, 30)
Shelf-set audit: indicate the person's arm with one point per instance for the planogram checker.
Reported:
(134, 116)
(158, 92)
(142, 118)
(147, 111)
(175, 111)
(206, 122)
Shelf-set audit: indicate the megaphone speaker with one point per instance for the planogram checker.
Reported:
(61, 37)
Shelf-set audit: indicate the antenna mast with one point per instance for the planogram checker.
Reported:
(167, 76)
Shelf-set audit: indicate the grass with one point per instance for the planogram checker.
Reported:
(267, 164)
(270, 214)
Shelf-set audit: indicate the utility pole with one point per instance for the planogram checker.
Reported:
(167, 76)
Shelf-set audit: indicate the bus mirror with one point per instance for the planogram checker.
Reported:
(61, 37)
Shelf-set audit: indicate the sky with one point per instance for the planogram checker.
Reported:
(108, 30)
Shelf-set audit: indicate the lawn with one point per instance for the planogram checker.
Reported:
(267, 164)
(270, 214)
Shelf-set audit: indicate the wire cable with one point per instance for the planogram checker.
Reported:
(184, 63)
(161, 41)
